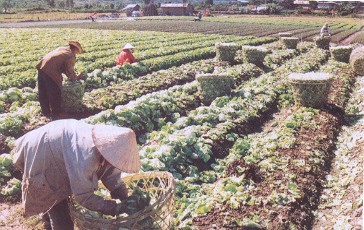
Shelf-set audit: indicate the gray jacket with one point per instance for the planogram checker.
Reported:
(59, 160)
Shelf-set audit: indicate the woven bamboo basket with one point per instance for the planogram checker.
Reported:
(310, 89)
(322, 42)
(341, 53)
(211, 86)
(158, 215)
(290, 42)
(285, 34)
(226, 51)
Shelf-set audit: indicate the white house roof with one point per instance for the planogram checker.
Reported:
(130, 6)
(174, 5)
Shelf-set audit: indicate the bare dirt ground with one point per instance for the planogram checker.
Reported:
(347, 40)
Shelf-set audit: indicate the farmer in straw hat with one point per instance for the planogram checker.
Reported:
(126, 55)
(325, 31)
(68, 157)
(50, 69)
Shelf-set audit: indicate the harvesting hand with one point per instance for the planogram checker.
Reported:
(120, 192)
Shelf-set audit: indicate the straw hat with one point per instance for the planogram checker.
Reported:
(128, 46)
(77, 45)
(118, 146)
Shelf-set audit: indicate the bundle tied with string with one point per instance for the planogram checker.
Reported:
(226, 51)
(341, 53)
(322, 42)
(310, 89)
(157, 215)
(290, 42)
(72, 96)
(211, 86)
(285, 34)
(357, 60)
(252, 54)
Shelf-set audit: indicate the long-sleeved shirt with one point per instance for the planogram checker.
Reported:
(59, 160)
(125, 56)
(325, 31)
(59, 61)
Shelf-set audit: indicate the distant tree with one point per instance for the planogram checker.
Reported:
(346, 8)
(257, 2)
(208, 2)
(51, 3)
(6, 5)
(287, 4)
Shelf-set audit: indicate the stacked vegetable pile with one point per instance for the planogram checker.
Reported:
(285, 34)
(226, 51)
(341, 53)
(323, 42)
(211, 86)
(310, 89)
(357, 60)
(252, 54)
(290, 42)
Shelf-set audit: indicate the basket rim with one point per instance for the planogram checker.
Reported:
(162, 199)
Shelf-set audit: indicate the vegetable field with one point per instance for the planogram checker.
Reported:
(250, 159)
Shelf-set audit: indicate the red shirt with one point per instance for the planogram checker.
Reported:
(125, 56)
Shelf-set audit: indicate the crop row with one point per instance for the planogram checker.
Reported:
(121, 94)
(265, 164)
(24, 74)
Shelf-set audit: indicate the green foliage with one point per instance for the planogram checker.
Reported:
(72, 96)
(212, 86)
(323, 42)
(252, 54)
(226, 51)
(290, 42)
(341, 53)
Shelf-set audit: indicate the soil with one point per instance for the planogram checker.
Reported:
(347, 41)
(300, 212)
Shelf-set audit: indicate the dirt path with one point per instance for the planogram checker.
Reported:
(341, 203)
(347, 41)
(44, 23)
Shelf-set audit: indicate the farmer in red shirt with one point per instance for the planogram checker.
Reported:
(126, 55)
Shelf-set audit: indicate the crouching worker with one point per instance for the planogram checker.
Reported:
(68, 157)
(126, 55)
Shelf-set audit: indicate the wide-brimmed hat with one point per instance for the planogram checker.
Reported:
(118, 146)
(128, 46)
(77, 45)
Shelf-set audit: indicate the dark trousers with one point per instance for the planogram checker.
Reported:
(59, 216)
(49, 95)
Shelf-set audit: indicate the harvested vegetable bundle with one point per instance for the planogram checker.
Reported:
(357, 60)
(285, 34)
(72, 96)
(310, 89)
(226, 51)
(214, 85)
(290, 42)
(322, 42)
(252, 54)
(341, 53)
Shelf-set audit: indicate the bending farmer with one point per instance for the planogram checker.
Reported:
(50, 69)
(126, 55)
(325, 31)
(68, 157)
